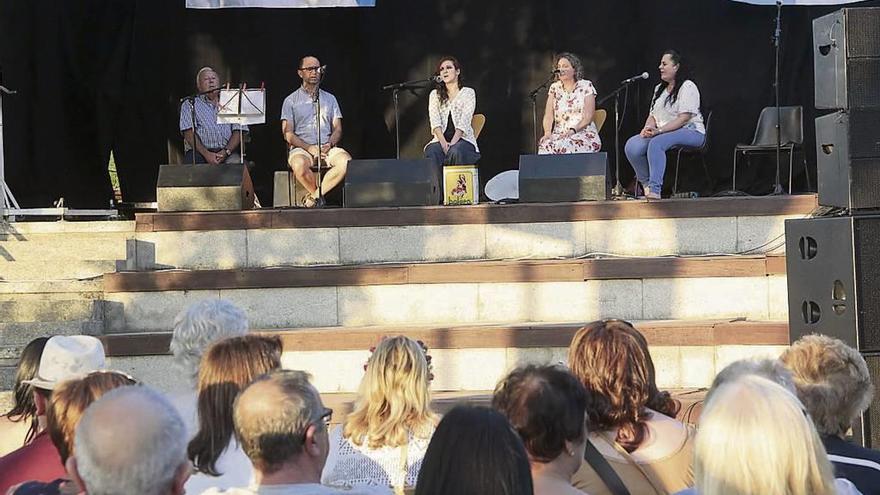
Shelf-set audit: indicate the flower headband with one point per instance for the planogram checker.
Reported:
(424, 348)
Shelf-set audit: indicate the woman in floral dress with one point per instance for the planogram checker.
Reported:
(568, 116)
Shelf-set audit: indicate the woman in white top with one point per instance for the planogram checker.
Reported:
(568, 116)
(675, 120)
(382, 442)
(450, 111)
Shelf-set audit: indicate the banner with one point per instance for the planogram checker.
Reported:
(799, 2)
(279, 4)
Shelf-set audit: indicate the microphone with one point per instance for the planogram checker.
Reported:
(643, 75)
(556, 71)
(436, 79)
(322, 69)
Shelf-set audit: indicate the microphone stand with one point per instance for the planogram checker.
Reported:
(533, 96)
(777, 35)
(319, 201)
(395, 91)
(617, 191)
(195, 122)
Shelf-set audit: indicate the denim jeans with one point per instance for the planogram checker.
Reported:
(648, 155)
(460, 153)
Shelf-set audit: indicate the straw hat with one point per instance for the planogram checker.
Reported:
(66, 357)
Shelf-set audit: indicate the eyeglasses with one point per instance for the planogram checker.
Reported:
(310, 69)
(327, 417)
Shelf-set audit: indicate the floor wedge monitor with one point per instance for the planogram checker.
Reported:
(392, 182)
(562, 178)
(226, 186)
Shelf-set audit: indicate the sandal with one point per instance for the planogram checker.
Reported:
(309, 201)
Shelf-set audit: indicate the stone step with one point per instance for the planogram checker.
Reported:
(686, 353)
(75, 246)
(11, 290)
(15, 335)
(461, 293)
(22, 271)
(59, 310)
(13, 229)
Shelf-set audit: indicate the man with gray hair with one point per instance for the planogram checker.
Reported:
(131, 440)
(195, 329)
(281, 424)
(212, 142)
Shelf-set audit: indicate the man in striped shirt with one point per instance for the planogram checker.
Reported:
(214, 143)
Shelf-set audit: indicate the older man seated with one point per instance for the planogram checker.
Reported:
(212, 142)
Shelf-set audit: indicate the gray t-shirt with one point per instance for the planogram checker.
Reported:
(299, 110)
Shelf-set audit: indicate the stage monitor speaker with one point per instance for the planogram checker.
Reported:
(391, 182)
(562, 178)
(833, 272)
(846, 59)
(226, 186)
(848, 159)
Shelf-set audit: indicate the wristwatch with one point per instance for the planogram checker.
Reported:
(228, 153)
(573, 130)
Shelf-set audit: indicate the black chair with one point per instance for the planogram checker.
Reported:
(791, 134)
(690, 150)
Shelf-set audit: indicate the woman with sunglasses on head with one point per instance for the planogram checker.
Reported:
(568, 116)
(675, 120)
(450, 111)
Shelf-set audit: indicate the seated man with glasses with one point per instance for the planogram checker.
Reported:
(281, 424)
(300, 129)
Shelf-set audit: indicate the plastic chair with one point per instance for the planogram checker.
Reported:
(689, 150)
(791, 137)
(599, 118)
(477, 122)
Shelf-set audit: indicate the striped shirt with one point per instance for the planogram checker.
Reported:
(299, 109)
(212, 135)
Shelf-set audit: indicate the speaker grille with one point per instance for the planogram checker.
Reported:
(863, 32)
(871, 417)
(866, 234)
(863, 82)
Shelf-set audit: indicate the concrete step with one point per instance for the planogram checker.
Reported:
(22, 271)
(29, 310)
(51, 288)
(64, 246)
(15, 335)
(686, 353)
(13, 229)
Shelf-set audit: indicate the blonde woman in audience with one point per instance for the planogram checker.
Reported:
(756, 438)
(631, 422)
(227, 368)
(545, 405)
(21, 424)
(382, 442)
(69, 402)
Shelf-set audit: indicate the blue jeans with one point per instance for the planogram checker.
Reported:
(648, 155)
(460, 153)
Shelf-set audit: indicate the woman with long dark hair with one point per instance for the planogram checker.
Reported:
(568, 116)
(631, 423)
(20, 425)
(675, 120)
(450, 111)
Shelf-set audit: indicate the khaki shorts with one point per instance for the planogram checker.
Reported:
(299, 151)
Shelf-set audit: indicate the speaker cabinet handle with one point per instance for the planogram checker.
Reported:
(824, 50)
(811, 312)
(827, 148)
(808, 248)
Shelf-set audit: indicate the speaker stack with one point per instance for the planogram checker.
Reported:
(833, 263)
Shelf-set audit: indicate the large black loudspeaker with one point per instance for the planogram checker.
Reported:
(833, 271)
(204, 187)
(562, 178)
(846, 58)
(848, 158)
(392, 183)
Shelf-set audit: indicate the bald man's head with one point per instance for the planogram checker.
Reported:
(131, 440)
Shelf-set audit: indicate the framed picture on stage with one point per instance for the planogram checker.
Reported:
(461, 185)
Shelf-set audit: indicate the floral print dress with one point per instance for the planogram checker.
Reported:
(567, 113)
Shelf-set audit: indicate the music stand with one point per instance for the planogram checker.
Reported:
(242, 106)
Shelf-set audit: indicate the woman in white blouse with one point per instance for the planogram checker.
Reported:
(675, 120)
(450, 110)
(383, 441)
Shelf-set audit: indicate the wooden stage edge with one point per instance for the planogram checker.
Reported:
(536, 335)
(272, 218)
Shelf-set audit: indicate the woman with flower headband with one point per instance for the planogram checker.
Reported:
(382, 442)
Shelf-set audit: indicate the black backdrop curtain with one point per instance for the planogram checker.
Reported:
(101, 75)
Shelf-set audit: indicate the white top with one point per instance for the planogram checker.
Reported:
(349, 464)
(462, 109)
(301, 489)
(184, 400)
(234, 467)
(688, 101)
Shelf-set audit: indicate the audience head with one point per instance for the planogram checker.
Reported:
(227, 368)
(612, 360)
(569, 66)
(24, 408)
(393, 398)
(199, 326)
(281, 423)
(70, 400)
(546, 406)
(771, 369)
(755, 437)
(131, 440)
(475, 451)
(832, 381)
